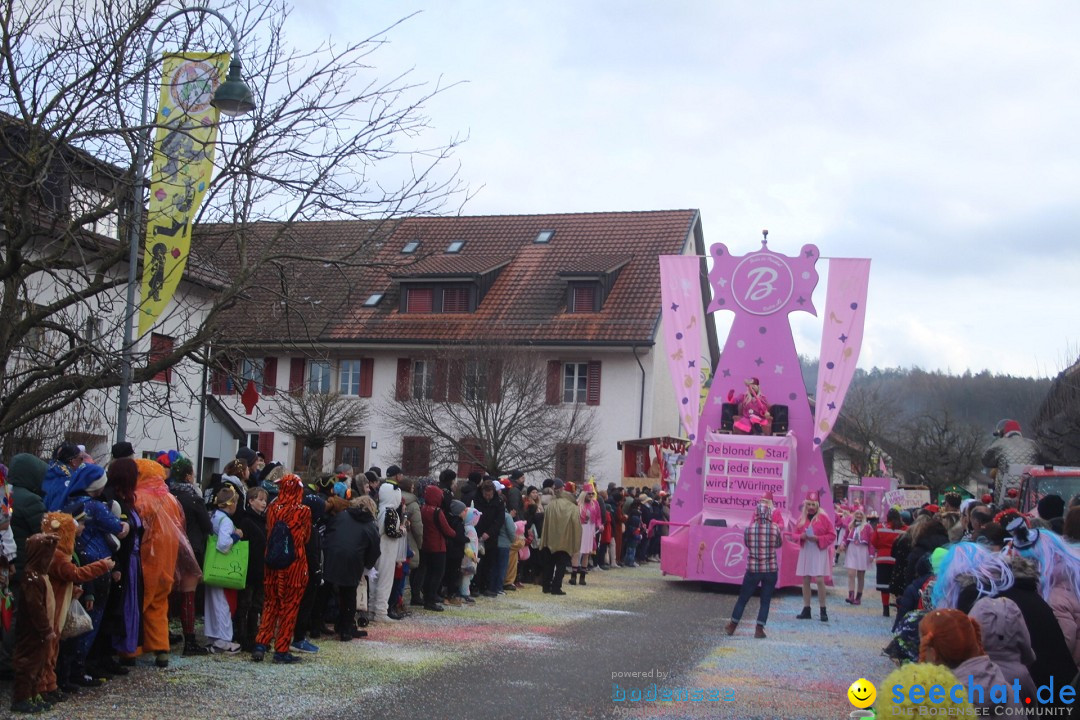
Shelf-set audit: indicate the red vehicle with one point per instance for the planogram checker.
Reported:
(1038, 482)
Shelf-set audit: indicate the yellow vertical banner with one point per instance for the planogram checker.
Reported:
(181, 170)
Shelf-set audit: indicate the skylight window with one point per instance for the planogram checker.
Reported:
(373, 300)
(544, 237)
(410, 247)
(455, 247)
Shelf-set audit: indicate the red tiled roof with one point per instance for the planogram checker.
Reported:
(308, 301)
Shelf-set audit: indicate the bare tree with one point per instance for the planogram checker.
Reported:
(872, 418)
(937, 451)
(487, 406)
(318, 418)
(328, 140)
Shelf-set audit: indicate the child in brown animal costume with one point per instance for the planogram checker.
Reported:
(64, 574)
(34, 631)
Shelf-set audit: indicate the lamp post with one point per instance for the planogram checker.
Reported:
(233, 97)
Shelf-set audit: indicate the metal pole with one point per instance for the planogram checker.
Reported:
(135, 222)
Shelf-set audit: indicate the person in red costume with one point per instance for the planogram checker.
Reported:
(815, 534)
(284, 588)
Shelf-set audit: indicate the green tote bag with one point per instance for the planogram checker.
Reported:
(226, 570)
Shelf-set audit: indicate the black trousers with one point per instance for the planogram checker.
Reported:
(435, 562)
(452, 574)
(249, 607)
(346, 618)
(554, 569)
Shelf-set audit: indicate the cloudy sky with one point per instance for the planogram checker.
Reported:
(939, 139)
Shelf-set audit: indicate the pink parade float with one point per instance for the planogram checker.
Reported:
(755, 435)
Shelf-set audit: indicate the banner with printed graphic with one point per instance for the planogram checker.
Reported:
(683, 319)
(841, 340)
(181, 170)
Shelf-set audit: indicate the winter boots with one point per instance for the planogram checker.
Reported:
(581, 575)
(805, 614)
(573, 575)
(824, 615)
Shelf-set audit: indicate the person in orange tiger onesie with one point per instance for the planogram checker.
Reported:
(64, 574)
(164, 545)
(284, 589)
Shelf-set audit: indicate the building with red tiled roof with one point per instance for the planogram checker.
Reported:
(578, 290)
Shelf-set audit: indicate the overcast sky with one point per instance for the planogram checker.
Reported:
(942, 140)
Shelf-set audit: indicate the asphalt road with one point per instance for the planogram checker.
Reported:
(530, 655)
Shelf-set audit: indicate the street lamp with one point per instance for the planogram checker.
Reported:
(233, 97)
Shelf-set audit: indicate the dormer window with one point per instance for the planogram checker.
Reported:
(439, 298)
(590, 281)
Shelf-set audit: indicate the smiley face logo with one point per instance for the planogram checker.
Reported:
(862, 693)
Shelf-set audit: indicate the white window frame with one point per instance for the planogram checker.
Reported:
(423, 380)
(575, 382)
(349, 377)
(319, 377)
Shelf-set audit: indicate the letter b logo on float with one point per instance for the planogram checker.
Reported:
(762, 284)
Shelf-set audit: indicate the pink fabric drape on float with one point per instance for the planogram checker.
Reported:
(683, 320)
(841, 340)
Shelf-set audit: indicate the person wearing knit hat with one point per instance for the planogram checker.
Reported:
(247, 455)
(393, 474)
(1006, 640)
(122, 450)
(949, 637)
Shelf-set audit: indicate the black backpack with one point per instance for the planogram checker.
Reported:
(392, 523)
(280, 547)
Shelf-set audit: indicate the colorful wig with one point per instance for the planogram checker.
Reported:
(989, 570)
(1058, 561)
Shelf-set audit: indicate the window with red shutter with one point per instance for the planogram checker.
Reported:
(419, 300)
(570, 462)
(583, 299)
(470, 457)
(161, 346)
(455, 300)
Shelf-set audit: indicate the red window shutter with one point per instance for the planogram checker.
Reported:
(266, 445)
(584, 299)
(296, 375)
(453, 381)
(455, 300)
(592, 387)
(218, 384)
(439, 384)
(419, 300)
(576, 463)
(561, 457)
(367, 374)
(404, 373)
(269, 377)
(554, 382)
(494, 381)
(160, 346)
